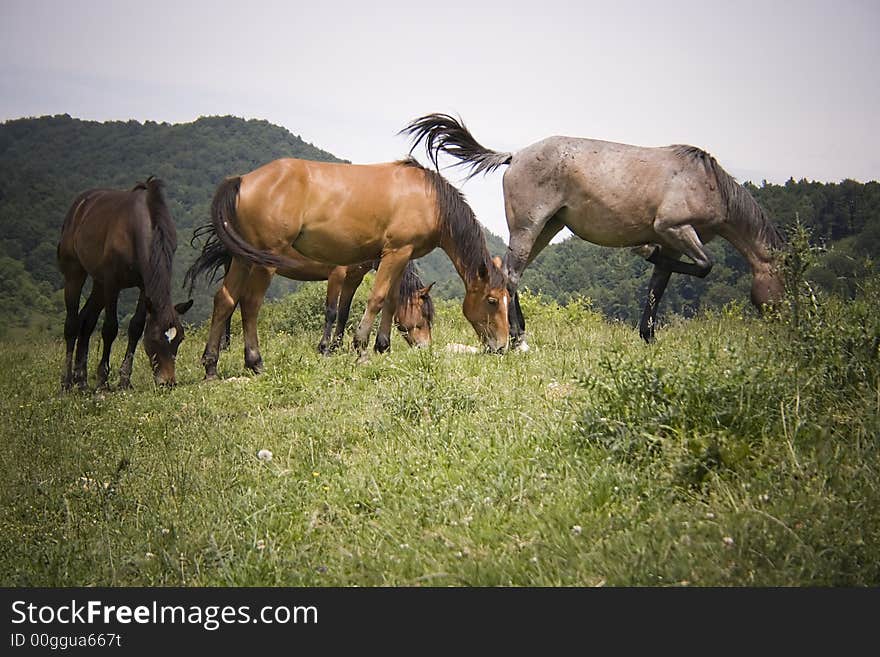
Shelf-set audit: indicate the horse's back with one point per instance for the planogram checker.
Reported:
(102, 229)
(332, 212)
(606, 192)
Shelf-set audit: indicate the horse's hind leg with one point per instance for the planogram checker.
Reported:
(108, 334)
(331, 308)
(135, 331)
(88, 318)
(73, 284)
(226, 338)
(250, 303)
(225, 301)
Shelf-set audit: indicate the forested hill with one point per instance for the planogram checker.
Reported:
(45, 162)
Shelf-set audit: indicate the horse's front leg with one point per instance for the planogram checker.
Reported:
(225, 301)
(353, 277)
(648, 324)
(108, 334)
(250, 303)
(525, 245)
(389, 310)
(135, 331)
(387, 279)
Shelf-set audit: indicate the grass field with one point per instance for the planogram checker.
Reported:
(734, 451)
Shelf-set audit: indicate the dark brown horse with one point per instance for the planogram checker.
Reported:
(414, 316)
(665, 202)
(344, 214)
(121, 239)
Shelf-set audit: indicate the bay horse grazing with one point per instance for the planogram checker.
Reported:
(415, 311)
(121, 239)
(665, 202)
(344, 214)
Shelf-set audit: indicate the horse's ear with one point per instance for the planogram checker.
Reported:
(181, 308)
(425, 291)
(483, 271)
(497, 261)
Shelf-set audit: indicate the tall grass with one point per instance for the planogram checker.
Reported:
(735, 451)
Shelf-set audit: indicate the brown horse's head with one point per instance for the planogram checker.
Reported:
(415, 316)
(163, 334)
(486, 302)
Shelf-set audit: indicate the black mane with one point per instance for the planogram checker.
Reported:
(157, 280)
(410, 284)
(459, 226)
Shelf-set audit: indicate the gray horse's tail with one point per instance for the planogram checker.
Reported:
(442, 132)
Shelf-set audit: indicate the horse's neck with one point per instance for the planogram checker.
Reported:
(455, 255)
(756, 252)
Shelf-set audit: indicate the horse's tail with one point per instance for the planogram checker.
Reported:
(213, 256)
(224, 215)
(442, 132)
(157, 280)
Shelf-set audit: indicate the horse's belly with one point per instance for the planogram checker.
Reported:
(337, 247)
(605, 228)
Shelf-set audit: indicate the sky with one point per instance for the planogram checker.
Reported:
(772, 89)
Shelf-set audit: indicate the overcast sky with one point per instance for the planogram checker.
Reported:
(772, 89)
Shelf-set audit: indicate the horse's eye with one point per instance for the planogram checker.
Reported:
(492, 301)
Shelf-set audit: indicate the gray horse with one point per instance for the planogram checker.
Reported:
(665, 202)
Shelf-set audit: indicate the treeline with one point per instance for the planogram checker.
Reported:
(45, 162)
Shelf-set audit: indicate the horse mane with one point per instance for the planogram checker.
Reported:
(741, 206)
(157, 278)
(410, 284)
(459, 225)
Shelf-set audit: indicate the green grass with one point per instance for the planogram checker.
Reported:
(734, 451)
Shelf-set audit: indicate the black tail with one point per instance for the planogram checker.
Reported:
(224, 215)
(441, 132)
(213, 256)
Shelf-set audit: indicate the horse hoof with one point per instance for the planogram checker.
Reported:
(211, 377)
(363, 359)
(522, 346)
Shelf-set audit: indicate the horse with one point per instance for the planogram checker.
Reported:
(664, 202)
(121, 239)
(414, 316)
(344, 214)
